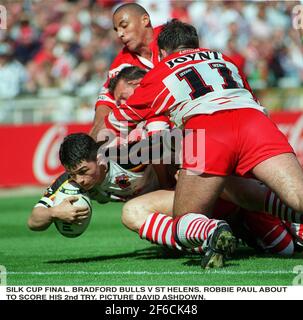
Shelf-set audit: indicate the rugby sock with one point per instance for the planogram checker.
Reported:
(192, 229)
(274, 205)
(278, 240)
(158, 228)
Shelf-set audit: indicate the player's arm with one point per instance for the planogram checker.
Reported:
(44, 212)
(101, 112)
(41, 217)
(104, 105)
(106, 102)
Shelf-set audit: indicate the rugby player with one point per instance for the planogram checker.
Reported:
(271, 234)
(150, 216)
(203, 89)
(140, 214)
(104, 181)
(133, 27)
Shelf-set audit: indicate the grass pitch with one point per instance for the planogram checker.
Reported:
(109, 254)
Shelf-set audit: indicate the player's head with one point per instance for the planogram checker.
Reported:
(131, 22)
(176, 36)
(78, 155)
(124, 84)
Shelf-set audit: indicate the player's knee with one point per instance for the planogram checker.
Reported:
(127, 218)
(133, 215)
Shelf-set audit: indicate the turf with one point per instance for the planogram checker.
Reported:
(109, 254)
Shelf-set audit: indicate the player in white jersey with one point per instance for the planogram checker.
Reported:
(106, 181)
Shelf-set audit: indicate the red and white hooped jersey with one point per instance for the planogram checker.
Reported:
(124, 59)
(188, 83)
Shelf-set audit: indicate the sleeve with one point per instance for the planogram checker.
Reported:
(105, 98)
(149, 103)
(47, 200)
(142, 106)
(120, 127)
(157, 124)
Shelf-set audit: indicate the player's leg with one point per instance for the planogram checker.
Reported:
(208, 158)
(249, 194)
(137, 210)
(149, 215)
(284, 175)
(264, 151)
(195, 195)
(200, 184)
(253, 195)
(269, 233)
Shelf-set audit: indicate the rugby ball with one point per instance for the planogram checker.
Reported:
(72, 230)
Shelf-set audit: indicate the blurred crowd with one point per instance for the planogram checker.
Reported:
(68, 45)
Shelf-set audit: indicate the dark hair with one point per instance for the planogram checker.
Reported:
(131, 7)
(77, 147)
(178, 35)
(128, 74)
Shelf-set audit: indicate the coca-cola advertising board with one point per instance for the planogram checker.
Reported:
(291, 124)
(30, 152)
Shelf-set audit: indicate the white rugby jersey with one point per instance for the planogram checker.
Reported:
(119, 185)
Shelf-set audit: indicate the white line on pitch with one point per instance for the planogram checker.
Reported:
(224, 272)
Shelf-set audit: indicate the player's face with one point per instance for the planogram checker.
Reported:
(131, 28)
(123, 91)
(87, 174)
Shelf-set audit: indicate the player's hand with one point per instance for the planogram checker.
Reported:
(65, 211)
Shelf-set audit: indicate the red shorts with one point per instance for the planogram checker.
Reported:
(235, 142)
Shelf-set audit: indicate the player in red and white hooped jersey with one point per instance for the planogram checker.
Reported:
(152, 211)
(203, 89)
(133, 26)
(150, 216)
(122, 87)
